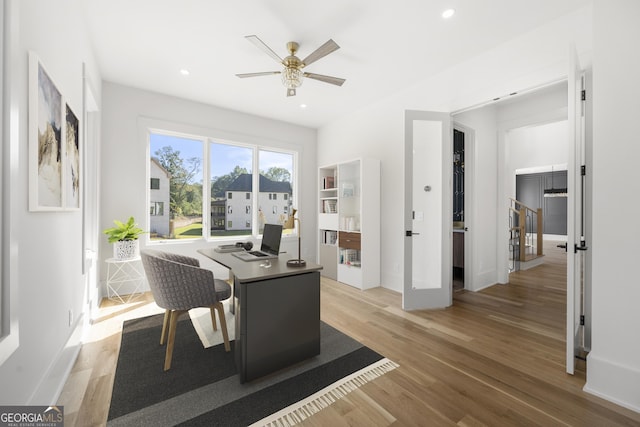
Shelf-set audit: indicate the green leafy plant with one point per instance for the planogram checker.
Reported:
(124, 231)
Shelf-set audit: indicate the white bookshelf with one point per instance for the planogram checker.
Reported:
(349, 222)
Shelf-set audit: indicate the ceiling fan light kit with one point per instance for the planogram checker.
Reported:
(292, 74)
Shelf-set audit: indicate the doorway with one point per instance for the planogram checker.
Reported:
(459, 195)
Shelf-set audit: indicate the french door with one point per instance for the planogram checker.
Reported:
(427, 210)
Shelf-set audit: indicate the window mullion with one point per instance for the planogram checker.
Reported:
(255, 193)
(206, 190)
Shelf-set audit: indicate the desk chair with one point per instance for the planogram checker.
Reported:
(178, 284)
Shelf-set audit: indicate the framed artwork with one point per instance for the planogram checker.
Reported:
(54, 145)
(71, 176)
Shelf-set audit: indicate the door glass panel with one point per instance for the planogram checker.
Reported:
(427, 204)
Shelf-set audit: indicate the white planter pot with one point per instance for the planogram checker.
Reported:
(126, 249)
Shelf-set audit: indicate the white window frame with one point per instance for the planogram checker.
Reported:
(148, 126)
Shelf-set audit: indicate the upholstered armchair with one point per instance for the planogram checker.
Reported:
(178, 284)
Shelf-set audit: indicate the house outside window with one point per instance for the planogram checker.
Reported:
(193, 190)
(159, 197)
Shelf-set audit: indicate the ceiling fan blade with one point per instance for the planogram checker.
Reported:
(264, 73)
(321, 52)
(327, 79)
(263, 47)
(291, 92)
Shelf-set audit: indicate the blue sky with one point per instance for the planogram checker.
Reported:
(226, 157)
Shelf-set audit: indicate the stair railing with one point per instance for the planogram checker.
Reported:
(521, 221)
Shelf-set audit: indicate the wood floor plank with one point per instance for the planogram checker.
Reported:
(495, 358)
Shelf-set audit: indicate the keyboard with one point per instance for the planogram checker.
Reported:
(257, 253)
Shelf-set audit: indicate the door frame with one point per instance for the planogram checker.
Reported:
(469, 202)
(504, 176)
(577, 261)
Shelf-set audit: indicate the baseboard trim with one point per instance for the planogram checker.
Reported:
(483, 280)
(48, 390)
(488, 285)
(613, 382)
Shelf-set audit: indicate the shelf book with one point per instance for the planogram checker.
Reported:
(349, 222)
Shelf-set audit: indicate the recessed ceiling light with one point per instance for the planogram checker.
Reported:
(303, 106)
(448, 13)
(184, 72)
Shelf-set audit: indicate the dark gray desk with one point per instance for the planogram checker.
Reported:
(277, 313)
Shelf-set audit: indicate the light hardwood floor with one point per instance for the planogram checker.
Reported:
(494, 358)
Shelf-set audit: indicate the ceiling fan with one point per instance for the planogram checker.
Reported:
(292, 73)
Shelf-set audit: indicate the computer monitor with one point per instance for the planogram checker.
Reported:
(271, 236)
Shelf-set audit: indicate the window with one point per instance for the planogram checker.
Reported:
(196, 177)
(231, 170)
(176, 170)
(157, 209)
(277, 169)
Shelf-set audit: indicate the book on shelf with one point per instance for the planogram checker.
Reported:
(328, 182)
(330, 206)
(329, 237)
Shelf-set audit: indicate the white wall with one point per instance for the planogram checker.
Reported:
(537, 146)
(613, 363)
(480, 215)
(47, 250)
(536, 58)
(125, 113)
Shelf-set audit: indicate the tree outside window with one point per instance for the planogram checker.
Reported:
(179, 161)
(177, 182)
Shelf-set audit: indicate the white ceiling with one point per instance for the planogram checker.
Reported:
(386, 46)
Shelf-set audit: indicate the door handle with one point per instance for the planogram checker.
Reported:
(410, 233)
(577, 248)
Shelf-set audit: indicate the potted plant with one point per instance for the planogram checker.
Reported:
(124, 237)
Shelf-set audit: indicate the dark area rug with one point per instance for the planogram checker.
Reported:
(203, 388)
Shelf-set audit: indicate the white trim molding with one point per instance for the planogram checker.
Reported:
(614, 382)
(9, 128)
